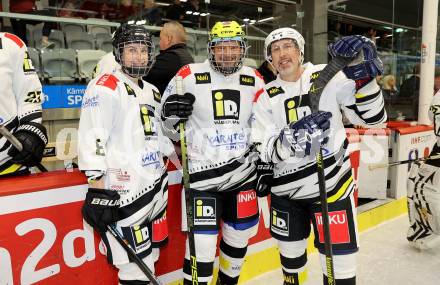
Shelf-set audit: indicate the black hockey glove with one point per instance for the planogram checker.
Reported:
(264, 178)
(366, 64)
(178, 107)
(33, 138)
(100, 208)
(305, 136)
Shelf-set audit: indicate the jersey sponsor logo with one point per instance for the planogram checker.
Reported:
(99, 148)
(274, 91)
(203, 78)
(160, 228)
(296, 108)
(141, 237)
(151, 158)
(108, 80)
(148, 121)
(279, 222)
(247, 80)
(231, 141)
(34, 97)
(314, 76)
(226, 104)
(15, 39)
(156, 96)
(339, 231)
(130, 91)
(205, 211)
(90, 102)
(247, 205)
(27, 64)
(184, 71)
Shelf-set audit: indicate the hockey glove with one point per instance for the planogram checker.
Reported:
(33, 138)
(178, 107)
(304, 137)
(366, 64)
(264, 178)
(100, 208)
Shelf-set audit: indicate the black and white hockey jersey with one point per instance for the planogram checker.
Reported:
(218, 131)
(434, 115)
(120, 136)
(282, 102)
(20, 93)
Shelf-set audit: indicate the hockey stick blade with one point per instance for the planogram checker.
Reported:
(395, 163)
(17, 144)
(132, 254)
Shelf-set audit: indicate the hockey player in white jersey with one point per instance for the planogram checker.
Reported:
(285, 132)
(121, 150)
(20, 108)
(424, 192)
(217, 109)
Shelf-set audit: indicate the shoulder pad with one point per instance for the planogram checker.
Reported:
(274, 91)
(15, 39)
(184, 71)
(108, 80)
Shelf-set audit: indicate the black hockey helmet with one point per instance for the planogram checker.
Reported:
(127, 34)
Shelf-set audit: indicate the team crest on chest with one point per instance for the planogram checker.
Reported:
(296, 108)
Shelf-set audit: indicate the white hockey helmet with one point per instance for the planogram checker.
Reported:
(283, 33)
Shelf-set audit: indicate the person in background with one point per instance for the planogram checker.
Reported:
(173, 55)
(176, 11)
(389, 88)
(268, 72)
(436, 79)
(151, 13)
(410, 87)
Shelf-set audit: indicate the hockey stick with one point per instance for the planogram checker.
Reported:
(333, 67)
(132, 254)
(17, 144)
(395, 163)
(188, 194)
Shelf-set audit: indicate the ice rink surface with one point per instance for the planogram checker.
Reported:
(385, 258)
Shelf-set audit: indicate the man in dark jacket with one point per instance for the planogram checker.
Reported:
(410, 87)
(173, 55)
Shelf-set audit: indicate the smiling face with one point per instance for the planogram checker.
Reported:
(286, 57)
(135, 55)
(227, 53)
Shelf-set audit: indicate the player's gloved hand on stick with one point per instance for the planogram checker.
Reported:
(264, 178)
(366, 64)
(33, 138)
(100, 208)
(178, 106)
(304, 137)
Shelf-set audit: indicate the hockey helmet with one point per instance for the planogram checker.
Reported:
(128, 34)
(226, 62)
(283, 33)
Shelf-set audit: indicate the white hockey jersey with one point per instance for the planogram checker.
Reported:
(218, 131)
(20, 93)
(281, 103)
(120, 136)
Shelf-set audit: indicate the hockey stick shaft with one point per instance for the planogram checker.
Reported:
(188, 193)
(17, 144)
(132, 254)
(333, 67)
(395, 163)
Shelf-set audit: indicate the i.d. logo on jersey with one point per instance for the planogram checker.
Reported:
(226, 104)
(147, 117)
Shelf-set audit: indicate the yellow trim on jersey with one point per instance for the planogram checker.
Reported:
(11, 169)
(341, 191)
(359, 95)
